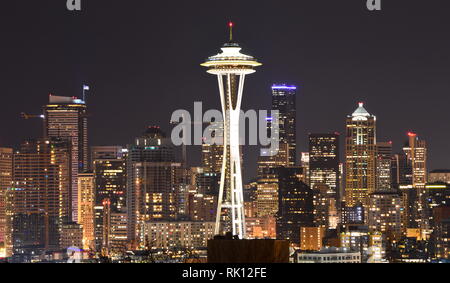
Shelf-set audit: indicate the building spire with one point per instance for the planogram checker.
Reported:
(230, 25)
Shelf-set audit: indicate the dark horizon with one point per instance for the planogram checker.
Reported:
(142, 62)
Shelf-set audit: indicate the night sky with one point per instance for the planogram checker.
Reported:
(141, 59)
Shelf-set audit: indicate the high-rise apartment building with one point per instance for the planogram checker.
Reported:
(86, 203)
(360, 152)
(385, 214)
(153, 181)
(6, 169)
(38, 203)
(66, 117)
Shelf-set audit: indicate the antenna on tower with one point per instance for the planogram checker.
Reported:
(85, 88)
(230, 25)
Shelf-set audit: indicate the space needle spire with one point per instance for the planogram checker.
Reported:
(231, 67)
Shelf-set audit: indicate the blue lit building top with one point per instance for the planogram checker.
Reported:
(284, 87)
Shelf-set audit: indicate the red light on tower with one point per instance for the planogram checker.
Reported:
(230, 24)
(411, 134)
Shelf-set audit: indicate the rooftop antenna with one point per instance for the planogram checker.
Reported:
(230, 25)
(85, 88)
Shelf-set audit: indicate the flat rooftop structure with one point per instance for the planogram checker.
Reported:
(248, 251)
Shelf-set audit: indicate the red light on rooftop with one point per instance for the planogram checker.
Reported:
(411, 134)
(230, 24)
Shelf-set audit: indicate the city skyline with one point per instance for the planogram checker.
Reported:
(326, 154)
(391, 81)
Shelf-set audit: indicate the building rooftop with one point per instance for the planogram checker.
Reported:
(440, 171)
(361, 111)
(54, 99)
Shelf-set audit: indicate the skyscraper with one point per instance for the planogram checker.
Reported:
(416, 153)
(66, 117)
(360, 149)
(86, 202)
(231, 68)
(110, 182)
(384, 167)
(324, 161)
(295, 207)
(110, 173)
(283, 100)
(6, 157)
(38, 203)
(152, 181)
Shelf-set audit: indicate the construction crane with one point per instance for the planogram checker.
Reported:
(26, 116)
(31, 116)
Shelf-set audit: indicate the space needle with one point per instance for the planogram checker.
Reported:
(231, 67)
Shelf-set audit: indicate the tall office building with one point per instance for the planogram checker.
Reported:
(118, 240)
(38, 203)
(324, 161)
(110, 179)
(6, 157)
(283, 100)
(360, 150)
(110, 182)
(86, 202)
(416, 151)
(267, 193)
(66, 117)
(401, 173)
(384, 167)
(153, 181)
(295, 204)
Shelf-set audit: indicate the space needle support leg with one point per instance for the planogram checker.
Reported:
(224, 158)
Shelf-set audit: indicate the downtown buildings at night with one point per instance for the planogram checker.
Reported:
(348, 199)
(143, 196)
